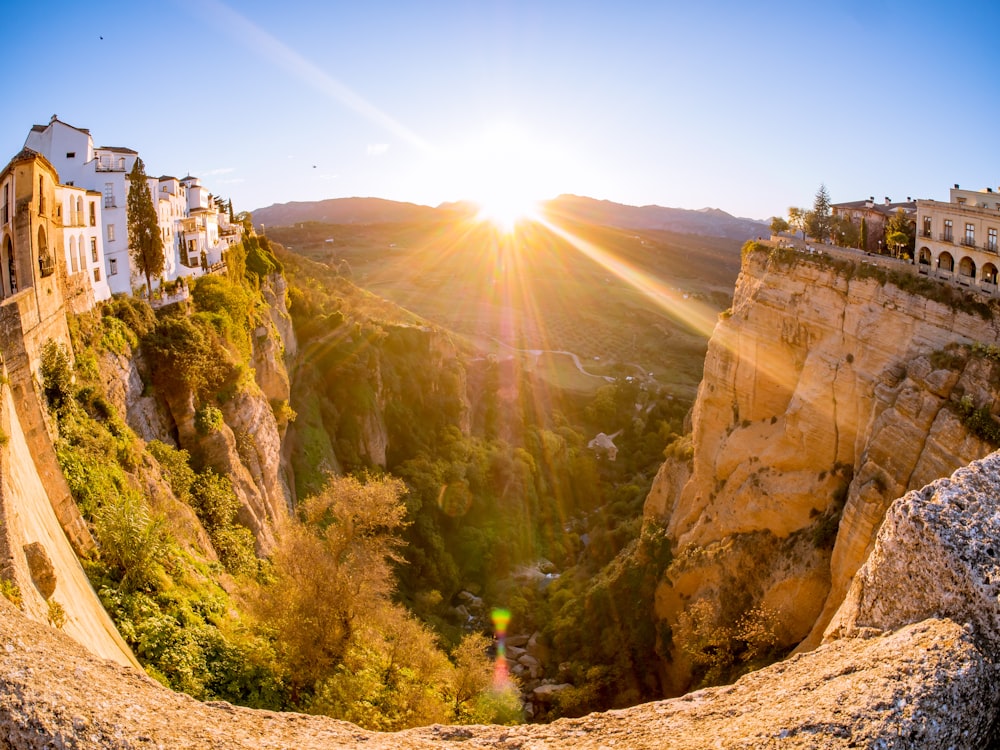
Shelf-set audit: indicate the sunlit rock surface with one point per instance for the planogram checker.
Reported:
(819, 393)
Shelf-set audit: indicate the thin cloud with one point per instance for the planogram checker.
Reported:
(261, 42)
(377, 149)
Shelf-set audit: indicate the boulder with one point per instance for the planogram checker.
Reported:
(43, 574)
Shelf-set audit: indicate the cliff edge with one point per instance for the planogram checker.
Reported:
(908, 665)
(829, 389)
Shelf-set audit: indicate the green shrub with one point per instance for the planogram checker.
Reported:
(131, 540)
(57, 374)
(135, 313)
(208, 419)
(56, 614)
(10, 591)
(186, 353)
(176, 466)
(117, 336)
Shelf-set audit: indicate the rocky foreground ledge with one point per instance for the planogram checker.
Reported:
(910, 662)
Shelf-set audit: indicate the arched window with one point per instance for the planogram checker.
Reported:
(73, 268)
(82, 249)
(41, 196)
(45, 265)
(79, 211)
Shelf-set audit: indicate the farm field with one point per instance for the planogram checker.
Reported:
(624, 301)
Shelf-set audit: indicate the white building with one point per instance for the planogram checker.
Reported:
(195, 235)
(71, 151)
(83, 251)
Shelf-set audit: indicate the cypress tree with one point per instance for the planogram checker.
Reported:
(145, 245)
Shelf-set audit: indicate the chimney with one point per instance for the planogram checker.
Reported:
(909, 199)
(989, 190)
(887, 201)
(956, 186)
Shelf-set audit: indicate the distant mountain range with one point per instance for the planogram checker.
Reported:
(709, 222)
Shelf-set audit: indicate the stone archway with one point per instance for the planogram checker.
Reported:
(924, 258)
(989, 273)
(946, 262)
(967, 268)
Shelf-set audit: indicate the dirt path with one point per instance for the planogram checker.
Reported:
(536, 353)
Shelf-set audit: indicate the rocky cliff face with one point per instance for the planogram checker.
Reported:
(911, 662)
(824, 396)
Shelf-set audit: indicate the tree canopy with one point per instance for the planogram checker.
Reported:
(144, 240)
(900, 233)
(818, 221)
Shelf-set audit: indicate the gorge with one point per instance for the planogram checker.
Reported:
(828, 393)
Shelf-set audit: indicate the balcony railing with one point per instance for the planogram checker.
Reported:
(946, 237)
(969, 241)
(926, 233)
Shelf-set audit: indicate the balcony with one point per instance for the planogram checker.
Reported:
(969, 242)
(926, 233)
(946, 237)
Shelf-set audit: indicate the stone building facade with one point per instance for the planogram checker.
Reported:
(957, 240)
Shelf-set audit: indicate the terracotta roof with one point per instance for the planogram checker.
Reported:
(27, 154)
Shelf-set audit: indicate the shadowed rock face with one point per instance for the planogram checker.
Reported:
(893, 672)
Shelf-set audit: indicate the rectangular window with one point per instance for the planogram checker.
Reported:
(71, 154)
(109, 195)
(93, 249)
(111, 232)
(4, 213)
(927, 226)
(97, 274)
(112, 266)
(970, 235)
(991, 240)
(947, 236)
(93, 214)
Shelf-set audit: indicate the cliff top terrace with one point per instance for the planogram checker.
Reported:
(963, 267)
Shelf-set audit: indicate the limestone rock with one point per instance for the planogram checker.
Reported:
(819, 401)
(937, 554)
(43, 574)
(925, 686)
(548, 693)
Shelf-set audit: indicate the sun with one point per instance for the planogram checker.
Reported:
(505, 209)
(506, 172)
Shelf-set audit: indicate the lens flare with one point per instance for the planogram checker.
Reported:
(501, 618)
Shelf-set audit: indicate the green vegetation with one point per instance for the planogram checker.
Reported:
(10, 591)
(315, 627)
(520, 486)
(959, 300)
(718, 644)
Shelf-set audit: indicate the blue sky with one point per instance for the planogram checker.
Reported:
(743, 106)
